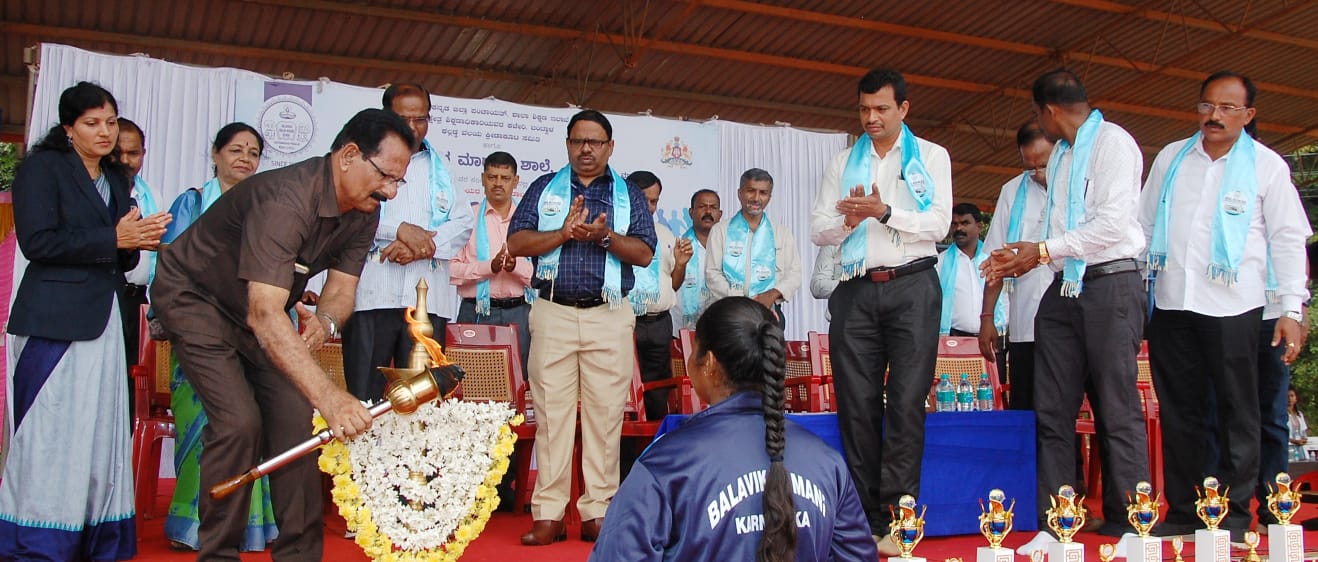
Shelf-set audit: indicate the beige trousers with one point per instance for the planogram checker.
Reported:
(585, 353)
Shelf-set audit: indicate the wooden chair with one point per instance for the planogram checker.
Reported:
(804, 387)
(152, 419)
(960, 355)
(492, 359)
(821, 363)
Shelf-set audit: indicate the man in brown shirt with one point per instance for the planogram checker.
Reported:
(223, 291)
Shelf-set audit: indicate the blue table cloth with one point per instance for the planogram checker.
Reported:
(966, 454)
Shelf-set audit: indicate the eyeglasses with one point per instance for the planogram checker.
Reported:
(1205, 108)
(400, 182)
(593, 143)
(415, 120)
(1039, 170)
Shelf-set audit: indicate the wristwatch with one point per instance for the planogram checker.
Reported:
(1293, 315)
(1044, 258)
(333, 326)
(887, 214)
(606, 241)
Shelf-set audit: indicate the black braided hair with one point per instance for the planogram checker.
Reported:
(748, 344)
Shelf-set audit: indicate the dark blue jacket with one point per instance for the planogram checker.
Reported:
(697, 494)
(67, 233)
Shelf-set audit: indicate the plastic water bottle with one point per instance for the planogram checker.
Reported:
(984, 394)
(944, 395)
(965, 395)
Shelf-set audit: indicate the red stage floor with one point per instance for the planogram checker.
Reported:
(499, 543)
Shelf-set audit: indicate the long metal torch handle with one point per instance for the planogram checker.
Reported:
(275, 463)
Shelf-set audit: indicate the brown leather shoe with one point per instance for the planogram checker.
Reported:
(543, 532)
(590, 530)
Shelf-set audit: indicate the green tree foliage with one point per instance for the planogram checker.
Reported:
(8, 165)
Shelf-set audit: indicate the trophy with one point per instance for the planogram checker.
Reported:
(1142, 513)
(1106, 552)
(1178, 543)
(1212, 544)
(1251, 541)
(994, 524)
(907, 528)
(1285, 541)
(1065, 518)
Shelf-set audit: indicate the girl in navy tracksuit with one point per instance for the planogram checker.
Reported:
(727, 485)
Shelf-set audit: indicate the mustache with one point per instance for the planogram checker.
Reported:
(1215, 124)
(958, 233)
(376, 195)
(707, 217)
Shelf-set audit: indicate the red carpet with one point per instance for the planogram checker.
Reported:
(499, 543)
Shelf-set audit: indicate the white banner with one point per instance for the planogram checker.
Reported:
(300, 120)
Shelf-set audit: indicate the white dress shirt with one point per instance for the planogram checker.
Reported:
(1110, 229)
(1027, 290)
(787, 274)
(385, 284)
(918, 232)
(1278, 222)
(142, 273)
(967, 290)
(666, 294)
(827, 273)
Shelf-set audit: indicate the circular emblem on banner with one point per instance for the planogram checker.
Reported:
(762, 273)
(736, 248)
(1234, 202)
(441, 201)
(553, 204)
(287, 124)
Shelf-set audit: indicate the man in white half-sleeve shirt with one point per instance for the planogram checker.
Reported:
(886, 202)
(1091, 319)
(1219, 211)
(749, 254)
(420, 231)
(1019, 216)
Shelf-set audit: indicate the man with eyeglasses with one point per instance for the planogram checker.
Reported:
(1019, 216)
(1226, 235)
(1089, 322)
(584, 227)
(224, 292)
(420, 231)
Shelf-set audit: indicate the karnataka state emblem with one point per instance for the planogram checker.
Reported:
(675, 154)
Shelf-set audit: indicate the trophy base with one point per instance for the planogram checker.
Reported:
(1285, 543)
(990, 554)
(1143, 549)
(1212, 546)
(1066, 552)
(900, 559)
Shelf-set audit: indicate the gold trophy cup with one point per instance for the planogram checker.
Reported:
(1066, 516)
(1212, 506)
(1283, 502)
(1142, 512)
(995, 522)
(907, 528)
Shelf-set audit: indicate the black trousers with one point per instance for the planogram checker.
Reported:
(134, 296)
(1091, 339)
(378, 338)
(1195, 357)
(1020, 373)
(880, 327)
(1274, 434)
(654, 339)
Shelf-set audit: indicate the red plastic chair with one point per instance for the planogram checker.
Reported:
(821, 363)
(683, 399)
(152, 420)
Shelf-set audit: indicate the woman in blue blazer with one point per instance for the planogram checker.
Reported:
(66, 491)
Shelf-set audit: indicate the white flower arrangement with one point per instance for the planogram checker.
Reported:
(422, 486)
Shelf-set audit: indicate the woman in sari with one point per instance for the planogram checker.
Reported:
(236, 153)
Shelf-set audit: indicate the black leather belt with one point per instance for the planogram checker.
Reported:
(574, 302)
(510, 302)
(134, 291)
(1106, 268)
(885, 274)
(653, 316)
